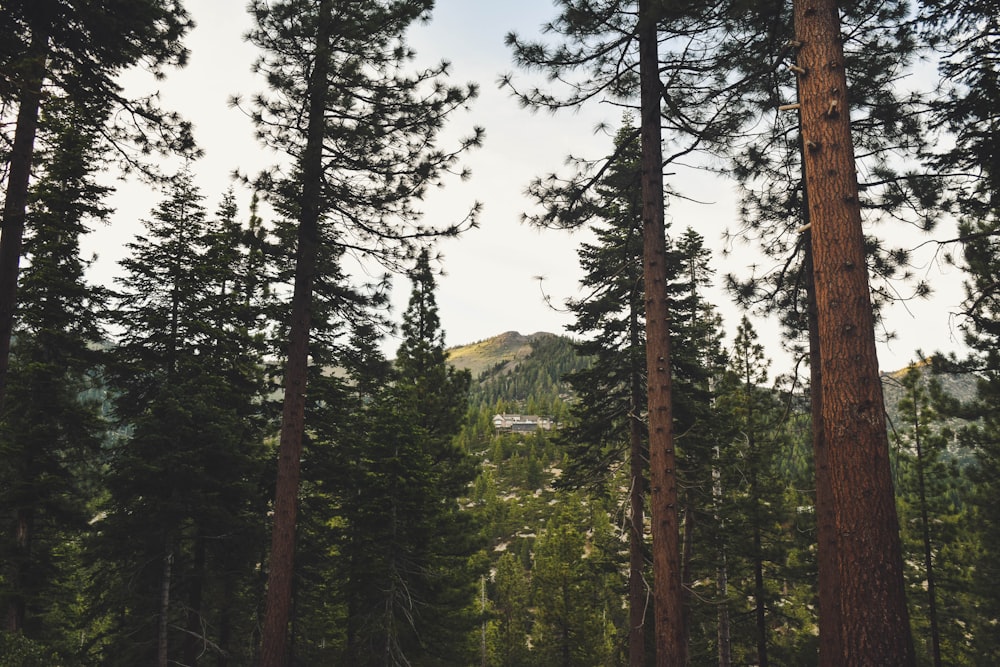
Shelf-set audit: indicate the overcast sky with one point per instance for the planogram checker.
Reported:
(490, 284)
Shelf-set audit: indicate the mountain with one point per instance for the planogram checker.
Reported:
(505, 351)
(522, 372)
(512, 367)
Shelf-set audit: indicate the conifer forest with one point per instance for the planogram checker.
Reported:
(213, 459)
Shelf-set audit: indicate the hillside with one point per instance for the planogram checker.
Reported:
(505, 350)
(512, 366)
(521, 372)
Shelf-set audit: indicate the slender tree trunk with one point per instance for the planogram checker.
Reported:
(196, 639)
(687, 554)
(722, 576)
(925, 526)
(163, 622)
(669, 627)
(759, 592)
(637, 498)
(274, 642)
(16, 570)
(723, 632)
(874, 624)
(15, 203)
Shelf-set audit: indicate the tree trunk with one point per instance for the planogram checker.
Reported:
(826, 531)
(724, 635)
(163, 622)
(874, 624)
(925, 529)
(669, 626)
(687, 554)
(759, 592)
(16, 570)
(196, 640)
(16, 197)
(637, 499)
(723, 632)
(274, 641)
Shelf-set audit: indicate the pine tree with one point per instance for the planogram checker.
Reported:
(753, 496)
(606, 424)
(879, 43)
(78, 48)
(963, 34)
(183, 475)
(510, 626)
(52, 427)
(571, 619)
(352, 186)
(873, 616)
(932, 513)
(393, 473)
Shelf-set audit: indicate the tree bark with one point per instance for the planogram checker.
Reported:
(637, 499)
(826, 532)
(874, 624)
(669, 626)
(274, 639)
(15, 203)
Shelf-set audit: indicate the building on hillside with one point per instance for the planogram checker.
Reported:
(521, 423)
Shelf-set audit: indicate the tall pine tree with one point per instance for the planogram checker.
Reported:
(52, 429)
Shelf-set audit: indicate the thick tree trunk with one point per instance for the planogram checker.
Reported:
(15, 203)
(274, 640)
(669, 626)
(826, 531)
(874, 624)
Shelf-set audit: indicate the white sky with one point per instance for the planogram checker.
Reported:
(490, 284)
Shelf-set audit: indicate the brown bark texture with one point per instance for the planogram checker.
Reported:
(637, 498)
(274, 635)
(874, 624)
(669, 622)
(826, 531)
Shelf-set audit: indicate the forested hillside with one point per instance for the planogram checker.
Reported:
(557, 534)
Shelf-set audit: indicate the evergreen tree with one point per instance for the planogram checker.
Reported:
(931, 511)
(872, 604)
(509, 629)
(697, 361)
(754, 499)
(78, 48)
(964, 34)
(405, 548)
(606, 425)
(352, 185)
(52, 427)
(878, 43)
(182, 522)
(571, 624)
